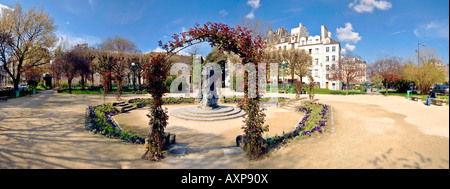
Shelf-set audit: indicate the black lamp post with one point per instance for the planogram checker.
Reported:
(133, 68)
(418, 51)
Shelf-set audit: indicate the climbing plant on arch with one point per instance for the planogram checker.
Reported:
(237, 40)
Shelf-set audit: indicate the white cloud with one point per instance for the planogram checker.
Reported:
(183, 29)
(183, 53)
(362, 6)
(159, 49)
(92, 2)
(347, 34)
(223, 12)
(350, 47)
(2, 7)
(250, 15)
(398, 32)
(79, 39)
(433, 30)
(253, 3)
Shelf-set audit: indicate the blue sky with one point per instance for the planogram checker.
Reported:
(371, 28)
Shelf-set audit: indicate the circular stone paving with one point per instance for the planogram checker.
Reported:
(216, 114)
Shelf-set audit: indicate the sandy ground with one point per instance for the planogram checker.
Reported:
(208, 133)
(46, 131)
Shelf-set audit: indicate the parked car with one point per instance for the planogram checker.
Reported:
(441, 89)
(22, 87)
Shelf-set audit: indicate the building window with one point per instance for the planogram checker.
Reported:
(334, 49)
(333, 67)
(317, 61)
(333, 58)
(317, 50)
(316, 73)
(328, 49)
(327, 58)
(328, 67)
(328, 76)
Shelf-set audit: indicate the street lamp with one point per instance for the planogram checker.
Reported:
(133, 68)
(418, 51)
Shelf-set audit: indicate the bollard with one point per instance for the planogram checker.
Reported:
(408, 93)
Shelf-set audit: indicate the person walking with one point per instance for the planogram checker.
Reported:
(431, 96)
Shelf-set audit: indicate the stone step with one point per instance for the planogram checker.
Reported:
(124, 106)
(187, 113)
(219, 110)
(118, 103)
(240, 114)
(128, 109)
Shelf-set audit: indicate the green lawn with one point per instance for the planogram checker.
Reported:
(321, 91)
(94, 92)
(335, 92)
(424, 97)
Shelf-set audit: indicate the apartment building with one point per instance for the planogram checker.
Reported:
(324, 50)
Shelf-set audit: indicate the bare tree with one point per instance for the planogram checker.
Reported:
(351, 68)
(299, 64)
(31, 34)
(387, 69)
(258, 27)
(119, 44)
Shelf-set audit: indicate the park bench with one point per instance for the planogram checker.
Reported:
(4, 98)
(415, 98)
(440, 101)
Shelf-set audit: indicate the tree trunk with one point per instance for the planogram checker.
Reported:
(82, 82)
(16, 84)
(346, 92)
(92, 81)
(16, 81)
(70, 85)
(139, 81)
(387, 87)
(301, 83)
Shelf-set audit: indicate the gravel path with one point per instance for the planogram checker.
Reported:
(46, 131)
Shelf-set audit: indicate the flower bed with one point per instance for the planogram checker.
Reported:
(98, 120)
(315, 121)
